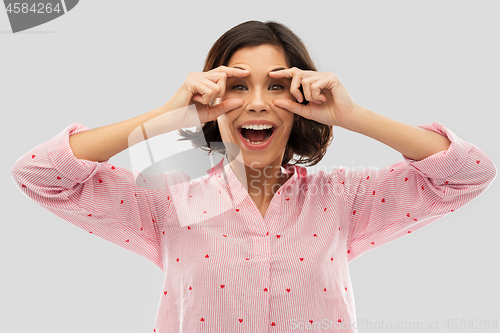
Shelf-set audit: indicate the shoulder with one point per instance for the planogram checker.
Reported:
(323, 174)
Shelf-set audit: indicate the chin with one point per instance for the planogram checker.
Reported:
(260, 163)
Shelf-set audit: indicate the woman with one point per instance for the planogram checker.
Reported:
(256, 245)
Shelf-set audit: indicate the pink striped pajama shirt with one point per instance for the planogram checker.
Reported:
(226, 268)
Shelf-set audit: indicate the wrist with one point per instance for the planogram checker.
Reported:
(354, 118)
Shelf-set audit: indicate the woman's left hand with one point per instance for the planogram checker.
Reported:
(329, 101)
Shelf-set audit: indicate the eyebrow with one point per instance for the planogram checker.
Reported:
(276, 69)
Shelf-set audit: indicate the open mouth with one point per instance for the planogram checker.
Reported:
(256, 134)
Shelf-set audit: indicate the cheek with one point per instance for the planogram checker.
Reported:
(223, 133)
(222, 121)
(224, 128)
(286, 117)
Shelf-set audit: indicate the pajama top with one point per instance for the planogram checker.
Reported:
(228, 269)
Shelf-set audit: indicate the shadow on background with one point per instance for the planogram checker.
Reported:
(27, 32)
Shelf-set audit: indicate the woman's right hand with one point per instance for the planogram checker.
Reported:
(201, 89)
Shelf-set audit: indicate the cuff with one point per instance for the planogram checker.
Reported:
(445, 163)
(63, 159)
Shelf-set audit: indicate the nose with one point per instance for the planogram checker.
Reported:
(258, 100)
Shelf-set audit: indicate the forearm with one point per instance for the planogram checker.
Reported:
(411, 141)
(102, 143)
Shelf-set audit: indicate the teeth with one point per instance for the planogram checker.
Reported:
(257, 127)
(254, 143)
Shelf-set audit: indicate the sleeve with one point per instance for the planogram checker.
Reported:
(97, 197)
(384, 205)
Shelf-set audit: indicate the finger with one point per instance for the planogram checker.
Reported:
(226, 106)
(293, 73)
(231, 71)
(292, 106)
(220, 74)
(294, 87)
(222, 85)
(306, 86)
(198, 98)
(202, 90)
(316, 89)
(289, 72)
(217, 89)
(215, 76)
(239, 72)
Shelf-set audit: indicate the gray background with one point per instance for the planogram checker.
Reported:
(107, 61)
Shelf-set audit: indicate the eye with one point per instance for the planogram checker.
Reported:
(240, 85)
(277, 85)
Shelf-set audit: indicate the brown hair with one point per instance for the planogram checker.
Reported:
(308, 138)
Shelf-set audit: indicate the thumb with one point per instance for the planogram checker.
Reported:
(226, 106)
(291, 106)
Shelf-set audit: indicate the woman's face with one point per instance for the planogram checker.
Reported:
(257, 90)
